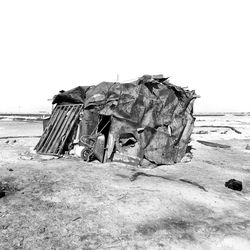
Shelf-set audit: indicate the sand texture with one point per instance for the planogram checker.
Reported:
(64, 203)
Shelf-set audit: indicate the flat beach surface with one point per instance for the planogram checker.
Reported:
(68, 204)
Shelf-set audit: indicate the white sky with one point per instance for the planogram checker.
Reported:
(46, 46)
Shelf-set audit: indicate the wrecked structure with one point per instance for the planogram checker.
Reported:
(146, 121)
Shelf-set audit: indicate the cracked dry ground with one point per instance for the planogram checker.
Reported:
(68, 204)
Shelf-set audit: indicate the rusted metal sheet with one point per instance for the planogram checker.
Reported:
(99, 147)
(61, 123)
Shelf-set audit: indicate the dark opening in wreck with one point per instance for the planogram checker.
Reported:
(146, 121)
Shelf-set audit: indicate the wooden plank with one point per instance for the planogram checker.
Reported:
(64, 127)
(58, 125)
(69, 128)
(48, 129)
(213, 144)
(54, 129)
(213, 126)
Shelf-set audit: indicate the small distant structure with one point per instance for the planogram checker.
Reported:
(147, 121)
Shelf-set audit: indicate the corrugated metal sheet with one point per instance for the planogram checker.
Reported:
(61, 123)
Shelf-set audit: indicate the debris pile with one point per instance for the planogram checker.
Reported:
(234, 184)
(6, 188)
(146, 121)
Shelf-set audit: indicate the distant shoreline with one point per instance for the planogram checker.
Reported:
(209, 114)
(195, 113)
(40, 117)
(24, 114)
(23, 117)
(224, 114)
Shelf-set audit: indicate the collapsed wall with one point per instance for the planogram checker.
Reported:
(149, 120)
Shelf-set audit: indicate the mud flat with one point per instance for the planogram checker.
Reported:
(64, 203)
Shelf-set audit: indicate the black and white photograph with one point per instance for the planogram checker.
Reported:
(124, 125)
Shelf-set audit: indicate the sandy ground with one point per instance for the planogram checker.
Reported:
(67, 204)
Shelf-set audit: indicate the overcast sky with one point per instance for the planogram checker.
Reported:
(46, 46)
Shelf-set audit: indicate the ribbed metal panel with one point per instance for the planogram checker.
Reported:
(61, 123)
